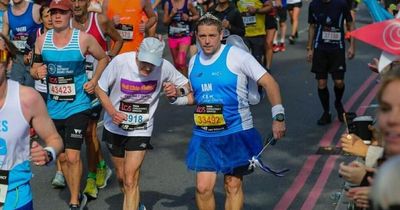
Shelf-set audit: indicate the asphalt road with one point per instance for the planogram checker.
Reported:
(166, 184)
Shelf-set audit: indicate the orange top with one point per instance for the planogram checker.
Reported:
(129, 13)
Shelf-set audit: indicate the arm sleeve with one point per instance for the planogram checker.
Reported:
(246, 63)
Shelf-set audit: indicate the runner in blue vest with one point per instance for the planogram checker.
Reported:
(63, 51)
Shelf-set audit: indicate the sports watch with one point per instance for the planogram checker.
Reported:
(50, 156)
(279, 117)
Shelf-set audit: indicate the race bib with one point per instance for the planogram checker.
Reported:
(19, 44)
(3, 185)
(178, 30)
(89, 67)
(125, 30)
(62, 88)
(249, 20)
(209, 117)
(137, 116)
(331, 34)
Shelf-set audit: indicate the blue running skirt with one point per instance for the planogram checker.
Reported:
(223, 154)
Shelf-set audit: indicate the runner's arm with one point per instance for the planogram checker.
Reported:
(98, 53)
(38, 69)
(152, 19)
(6, 26)
(274, 96)
(35, 109)
(109, 29)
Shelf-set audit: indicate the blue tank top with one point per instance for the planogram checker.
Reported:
(177, 27)
(21, 26)
(220, 95)
(65, 78)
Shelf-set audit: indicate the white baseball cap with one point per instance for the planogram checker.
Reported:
(151, 50)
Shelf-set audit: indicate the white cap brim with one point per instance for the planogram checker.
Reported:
(149, 58)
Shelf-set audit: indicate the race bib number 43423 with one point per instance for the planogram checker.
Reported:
(62, 88)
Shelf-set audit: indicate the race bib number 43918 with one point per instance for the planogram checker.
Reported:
(137, 116)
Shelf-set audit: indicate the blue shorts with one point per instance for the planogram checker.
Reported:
(228, 154)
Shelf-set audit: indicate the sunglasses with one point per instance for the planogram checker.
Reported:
(4, 56)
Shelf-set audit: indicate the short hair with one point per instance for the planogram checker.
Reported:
(389, 74)
(42, 8)
(386, 186)
(210, 20)
(10, 47)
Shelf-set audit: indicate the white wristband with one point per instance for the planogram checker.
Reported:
(184, 100)
(53, 154)
(277, 109)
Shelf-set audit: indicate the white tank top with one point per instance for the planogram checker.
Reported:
(14, 130)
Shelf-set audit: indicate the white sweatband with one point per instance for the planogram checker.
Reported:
(277, 109)
(53, 154)
(184, 100)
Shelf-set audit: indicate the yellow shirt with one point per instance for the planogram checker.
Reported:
(254, 24)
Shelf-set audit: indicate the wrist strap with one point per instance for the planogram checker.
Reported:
(53, 154)
(277, 109)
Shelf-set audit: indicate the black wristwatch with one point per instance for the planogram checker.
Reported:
(50, 156)
(279, 117)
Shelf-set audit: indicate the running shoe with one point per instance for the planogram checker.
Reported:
(141, 207)
(102, 176)
(325, 119)
(292, 39)
(81, 205)
(282, 47)
(58, 180)
(91, 188)
(275, 48)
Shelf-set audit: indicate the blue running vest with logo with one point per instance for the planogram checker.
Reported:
(21, 26)
(14, 148)
(216, 86)
(66, 76)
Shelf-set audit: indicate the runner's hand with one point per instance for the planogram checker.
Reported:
(89, 86)
(278, 129)
(38, 154)
(41, 72)
(116, 19)
(170, 89)
(118, 117)
(309, 56)
(225, 23)
(350, 53)
(373, 66)
(185, 17)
